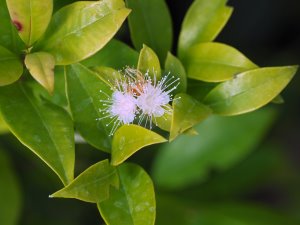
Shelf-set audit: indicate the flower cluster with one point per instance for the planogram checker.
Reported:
(138, 97)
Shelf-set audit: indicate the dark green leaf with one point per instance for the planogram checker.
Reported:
(92, 185)
(83, 90)
(44, 128)
(176, 69)
(31, 18)
(128, 139)
(215, 62)
(11, 67)
(10, 193)
(150, 23)
(221, 143)
(79, 30)
(115, 54)
(187, 112)
(249, 90)
(134, 202)
(202, 23)
(41, 67)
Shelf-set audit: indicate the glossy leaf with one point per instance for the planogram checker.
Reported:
(9, 37)
(202, 23)
(10, 192)
(150, 23)
(215, 62)
(187, 112)
(149, 62)
(41, 67)
(249, 90)
(164, 122)
(11, 67)
(222, 142)
(134, 202)
(128, 139)
(107, 74)
(115, 54)
(92, 185)
(44, 128)
(31, 17)
(79, 30)
(176, 69)
(83, 91)
(3, 127)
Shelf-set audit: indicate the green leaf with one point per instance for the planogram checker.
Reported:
(3, 127)
(79, 30)
(278, 100)
(92, 185)
(128, 139)
(176, 69)
(83, 91)
(164, 122)
(202, 23)
(134, 202)
(222, 142)
(249, 90)
(115, 54)
(108, 74)
(215, 62)
(9, 37)
(31, 18)
(10, 192)
(149, 63)
(150, 23)
(44, 128)
(41, 67)
(11, 67)
(187, 112)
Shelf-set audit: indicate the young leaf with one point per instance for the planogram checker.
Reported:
(115, 54)
(41, 67)
(222, 142)
(150, 23)
(11, 67)
(249, 90)
(202, 23)
(31, 17)
(128, 139)
(176, 69)
(83, 91)
(10, 192)
(215, 62)
(92, 185)
(134, 202)
(79, 30)
(9, 37)
(44, 128)
(149, 62)
(187, 112)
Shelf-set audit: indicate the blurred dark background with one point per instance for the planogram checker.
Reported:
(268, 32)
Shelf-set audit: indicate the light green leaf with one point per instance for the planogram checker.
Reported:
(3, 126)
(134, 202)
(187, 112)
(128, 139)
(115, 54)
(11, 67)
(149, 62)
(215, 62)
(108, 75)
(31, 18)
(10, 192)
(79, 30)
(150, 23)
(164, 122)
(249, 90)
(202, 23)
(176, 69)
(9, 37)
(222, 142)
(44, 128)
(92, 185)
(41, 67)
(83, 91)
